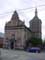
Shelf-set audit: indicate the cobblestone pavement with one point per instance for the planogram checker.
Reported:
(20, 55)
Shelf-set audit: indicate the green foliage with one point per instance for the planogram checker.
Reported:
(36, 42)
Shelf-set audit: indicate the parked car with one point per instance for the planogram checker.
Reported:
(34, 49)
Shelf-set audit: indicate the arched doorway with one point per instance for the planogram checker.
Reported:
(12, 41)
(12, 45)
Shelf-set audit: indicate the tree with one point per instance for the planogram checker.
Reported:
(36, 42)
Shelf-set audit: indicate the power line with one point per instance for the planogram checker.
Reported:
(6, 13)
(30, 7)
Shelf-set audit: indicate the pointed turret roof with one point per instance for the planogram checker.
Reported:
(36, 16)
(15, 16)
(36, 12)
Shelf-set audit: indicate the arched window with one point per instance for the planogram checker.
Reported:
(13, 35)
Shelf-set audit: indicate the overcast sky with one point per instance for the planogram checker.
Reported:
(7, 7)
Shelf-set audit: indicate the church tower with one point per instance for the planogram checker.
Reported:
(35, 26)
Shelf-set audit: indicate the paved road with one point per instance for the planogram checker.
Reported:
(20, 55)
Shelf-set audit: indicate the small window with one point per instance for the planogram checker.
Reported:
(13, 34)
(6, 38)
